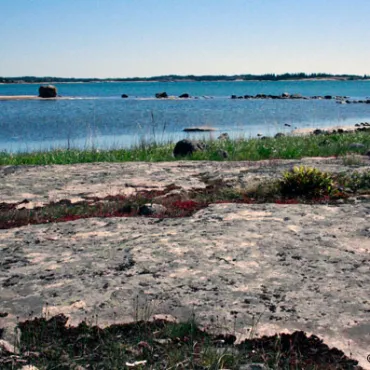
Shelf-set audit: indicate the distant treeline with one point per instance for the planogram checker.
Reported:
(168, 78)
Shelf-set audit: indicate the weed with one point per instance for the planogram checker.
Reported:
(352, 160)
(306, 182)
(355, 182)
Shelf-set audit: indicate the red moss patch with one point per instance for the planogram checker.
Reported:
(12, 215)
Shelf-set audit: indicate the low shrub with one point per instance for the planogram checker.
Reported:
(306, 182)
(356, 181)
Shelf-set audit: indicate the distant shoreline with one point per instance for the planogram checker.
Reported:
(287, 77)
(181, 81)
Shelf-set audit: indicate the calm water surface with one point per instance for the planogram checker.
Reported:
(96, 116)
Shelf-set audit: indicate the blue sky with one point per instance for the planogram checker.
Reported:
(125, 38)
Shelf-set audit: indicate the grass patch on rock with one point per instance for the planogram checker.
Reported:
(51, 344)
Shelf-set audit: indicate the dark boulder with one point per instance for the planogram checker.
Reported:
(223, 154)
(233, 97)
(124, 96)
(152, 209)
(187, 147)
(184, 96)
(318, 132)
(224, 136)
(161, 95)
(296, 96)
(279, 134)
(48, 91)
(328, 97)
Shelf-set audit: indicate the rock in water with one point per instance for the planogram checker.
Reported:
(199, 129)
(161, 95)
(184, 96)
(124, 96)
(187, 147)
(48, 91)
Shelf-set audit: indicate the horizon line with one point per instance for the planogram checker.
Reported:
(303, 74)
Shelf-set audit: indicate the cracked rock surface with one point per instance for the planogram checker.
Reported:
(269, 267)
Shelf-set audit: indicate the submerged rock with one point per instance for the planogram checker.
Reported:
(199, 129)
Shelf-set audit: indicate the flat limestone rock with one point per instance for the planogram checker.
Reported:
(74, 182)
(297, 267)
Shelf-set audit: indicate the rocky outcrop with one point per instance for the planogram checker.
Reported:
(162, 95)
(48, 91)
(184, 96)
(187, 147)
(285, 95)
(124, 96)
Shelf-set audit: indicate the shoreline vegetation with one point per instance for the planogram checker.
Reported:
(319, 143)
(189, 78)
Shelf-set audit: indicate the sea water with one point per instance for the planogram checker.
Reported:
(95, 116)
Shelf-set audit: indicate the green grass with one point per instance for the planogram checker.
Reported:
(289, 147)
(51, 344)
